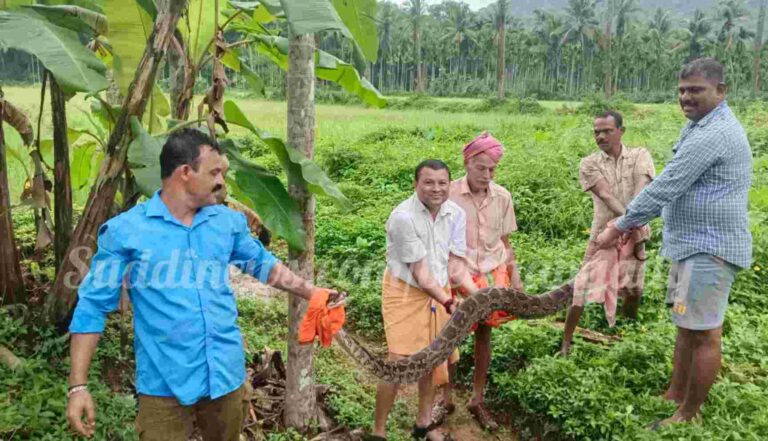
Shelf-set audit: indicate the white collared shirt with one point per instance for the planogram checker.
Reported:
(413, 234)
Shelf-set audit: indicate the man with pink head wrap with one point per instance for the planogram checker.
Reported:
(484, 143)
(490, 257)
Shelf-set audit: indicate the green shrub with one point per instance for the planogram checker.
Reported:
(339, 163)
(33, 397)
(458, 85)
(597, 103)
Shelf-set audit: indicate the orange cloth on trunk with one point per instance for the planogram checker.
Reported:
(499, 277)
(319, 320)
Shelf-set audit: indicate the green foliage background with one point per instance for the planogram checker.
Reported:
(599, 393)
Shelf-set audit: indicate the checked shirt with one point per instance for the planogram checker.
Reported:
(702, 193)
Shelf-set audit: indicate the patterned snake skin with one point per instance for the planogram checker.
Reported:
(472, 310)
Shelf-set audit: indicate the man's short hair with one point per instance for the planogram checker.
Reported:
(707, 68)
(434, 164)
(183, 148)
(617, 118)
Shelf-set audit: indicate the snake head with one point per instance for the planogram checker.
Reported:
(336, 299)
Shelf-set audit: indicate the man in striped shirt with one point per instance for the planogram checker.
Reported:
(702, 197)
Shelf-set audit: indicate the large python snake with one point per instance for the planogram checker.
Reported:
(472, 310)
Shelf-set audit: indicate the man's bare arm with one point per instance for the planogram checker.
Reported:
(283, 278)
(422, 274)
(459, 274)
(515, 281)
(603, 191)
(642, 182)
(81, 349)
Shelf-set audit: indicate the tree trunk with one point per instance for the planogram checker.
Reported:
(99, 205)
(417, 49)
(299, 385)
(11, 281)
(62, 188)
(608, 74)
(177, 72)
(500, 54)
(113, 94)
(759, 47)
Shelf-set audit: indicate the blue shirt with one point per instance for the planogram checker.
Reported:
(187, 342)
(703, 192)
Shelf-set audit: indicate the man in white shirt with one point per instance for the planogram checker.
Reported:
(426, 242)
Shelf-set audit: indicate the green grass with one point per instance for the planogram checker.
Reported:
(600, 392)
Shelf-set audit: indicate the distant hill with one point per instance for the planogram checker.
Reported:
(524, 7)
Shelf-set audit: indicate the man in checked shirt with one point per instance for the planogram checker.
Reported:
(702, 197)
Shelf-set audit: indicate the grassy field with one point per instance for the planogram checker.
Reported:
(599, 393)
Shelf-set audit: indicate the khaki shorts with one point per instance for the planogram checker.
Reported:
(164, 419)
(698, 291)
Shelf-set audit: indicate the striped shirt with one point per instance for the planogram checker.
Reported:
(702, 194)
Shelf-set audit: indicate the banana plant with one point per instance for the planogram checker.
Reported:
(249, 183)
(74, 66)
(255, 21)
(119, 31)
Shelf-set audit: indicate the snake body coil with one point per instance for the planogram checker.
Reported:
(473, 309)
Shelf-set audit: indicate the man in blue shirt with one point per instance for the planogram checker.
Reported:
(173, 252)
(702, 196)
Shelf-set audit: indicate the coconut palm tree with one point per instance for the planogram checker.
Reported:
(581, 27)
(416, 12)
(458, 29)
(731, 14)
(386, 16)
(501, 17)
(548, 28)
(758, 47)
(699, 28)
(660, 27)
(661, 22)
(623, 11)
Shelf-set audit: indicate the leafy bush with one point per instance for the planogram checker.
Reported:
(457, 85)
(600, 392)
(262, 323)
(415, 101)
(33, 397)
(597, 103)
(252, 146)
(655, 97)
(508, 106)
(334, 94)
(340, 162)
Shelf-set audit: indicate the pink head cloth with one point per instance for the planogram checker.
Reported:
(484, 143)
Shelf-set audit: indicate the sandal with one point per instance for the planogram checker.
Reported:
(421, 433)
(483, 417)
(659, 424)
(440, 412)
